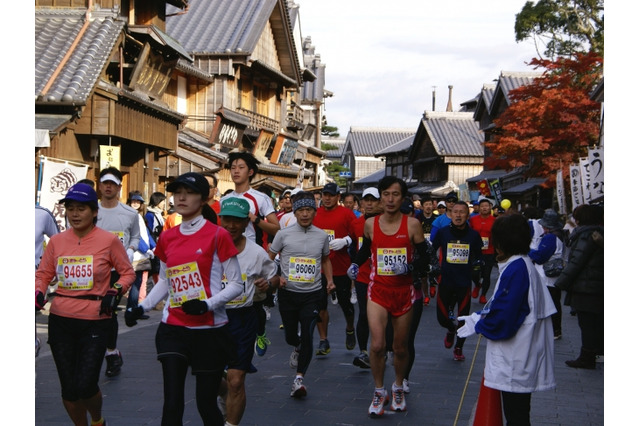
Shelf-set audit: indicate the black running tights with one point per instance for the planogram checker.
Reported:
(174, 371)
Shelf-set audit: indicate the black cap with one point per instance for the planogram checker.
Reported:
(406, 206)
(331, 188)
(192, 180)
(452, 196)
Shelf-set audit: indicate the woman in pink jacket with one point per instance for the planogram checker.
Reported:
(81, 259)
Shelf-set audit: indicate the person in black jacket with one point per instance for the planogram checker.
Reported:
(583, 280)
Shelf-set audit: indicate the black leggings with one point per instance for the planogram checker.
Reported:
(516, 408)
(448, 297)
(174, 373)
(362, 324)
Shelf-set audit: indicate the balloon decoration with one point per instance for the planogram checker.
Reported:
(505, 204)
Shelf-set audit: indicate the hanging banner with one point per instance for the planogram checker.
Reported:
(585, 174)
(109, 156)
(576, 186)
(562, 205)
(596, 168)
(496, 189)
(483, 188)
(464, 192)
(57, 177)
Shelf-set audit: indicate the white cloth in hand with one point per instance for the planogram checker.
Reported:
(130, 254)
(469, 327)
(399, 268)
(339, 243)
(353, 270)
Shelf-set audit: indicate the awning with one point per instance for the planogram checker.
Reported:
(523, 187)
(487, 174)
(436, 189)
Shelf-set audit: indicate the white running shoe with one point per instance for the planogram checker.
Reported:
(405, 386)
(293, 359)
(380, 399)
(297, 388)
(267, 311)
(354, 296)
(398, 402)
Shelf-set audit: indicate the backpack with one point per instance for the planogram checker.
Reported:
(155, 232)
(555, 265)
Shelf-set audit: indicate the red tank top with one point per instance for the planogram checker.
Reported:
(389, 249)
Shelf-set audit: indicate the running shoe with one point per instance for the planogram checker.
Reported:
(354, 296)
(432, 291)
(101, 422)
(398, 403)
(260, 347)
(293, 359)
(351, 339)
(362, 360)
(475, 292)
(380, 399)
(114, 364)
(323, 347)
(405, 386)
(483, 299)
(448, 339)
(426, 301)
(297, 389)
(457, 354)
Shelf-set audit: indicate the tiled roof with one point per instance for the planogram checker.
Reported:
(334, 153)
(221, 26)
(372, 178)
(198, 142)
(55, 31)
(508, 81)
(524, 187)
(367, 141)
(454, 133)
(488, 90)
(403, 145)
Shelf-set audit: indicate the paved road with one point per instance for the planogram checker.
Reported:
(443, 391)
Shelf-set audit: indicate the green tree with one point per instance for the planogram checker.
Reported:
(330, 131)
(334, 170)
(563, 27)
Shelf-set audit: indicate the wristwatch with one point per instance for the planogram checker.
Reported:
(118, 287)
(257, 220)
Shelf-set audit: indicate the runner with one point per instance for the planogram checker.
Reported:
(303, 249)
(121, 220)
(80, 315)
(392, 241)
(194, 331)
(259, 275)
(338, 222)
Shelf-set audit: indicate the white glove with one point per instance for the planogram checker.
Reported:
(469, 327)
(339, 243)
(150, 254)
(352, 272)
(130, 254)
(399, 268)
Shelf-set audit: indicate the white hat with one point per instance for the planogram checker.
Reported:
(371, 191)
(110, 177)
(482, 198)
(294, 191)
(441, 204)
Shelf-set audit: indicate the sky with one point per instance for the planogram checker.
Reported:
(384, 58)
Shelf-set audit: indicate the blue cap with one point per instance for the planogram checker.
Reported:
(82, 193)
(137, 197)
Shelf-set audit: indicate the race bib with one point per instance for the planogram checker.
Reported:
(75, 272)
(243, 296)
(485, 243)
(120, 235)
(302, 270)
(458, 253)
(331, 233)
(385, 257)
(185, 283)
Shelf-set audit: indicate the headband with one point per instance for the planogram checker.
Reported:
(304, 202)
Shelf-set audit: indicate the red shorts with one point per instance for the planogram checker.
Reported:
(396, 300)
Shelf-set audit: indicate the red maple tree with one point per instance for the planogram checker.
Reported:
(551, 121)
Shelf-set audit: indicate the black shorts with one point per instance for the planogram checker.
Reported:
(207, 350)
(243, 326)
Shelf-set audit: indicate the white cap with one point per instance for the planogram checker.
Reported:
(295, 191)
(371, 191)
(482, 198)
(441, 204)
(111, 178)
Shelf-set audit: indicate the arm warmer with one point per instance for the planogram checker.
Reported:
(364, 253)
